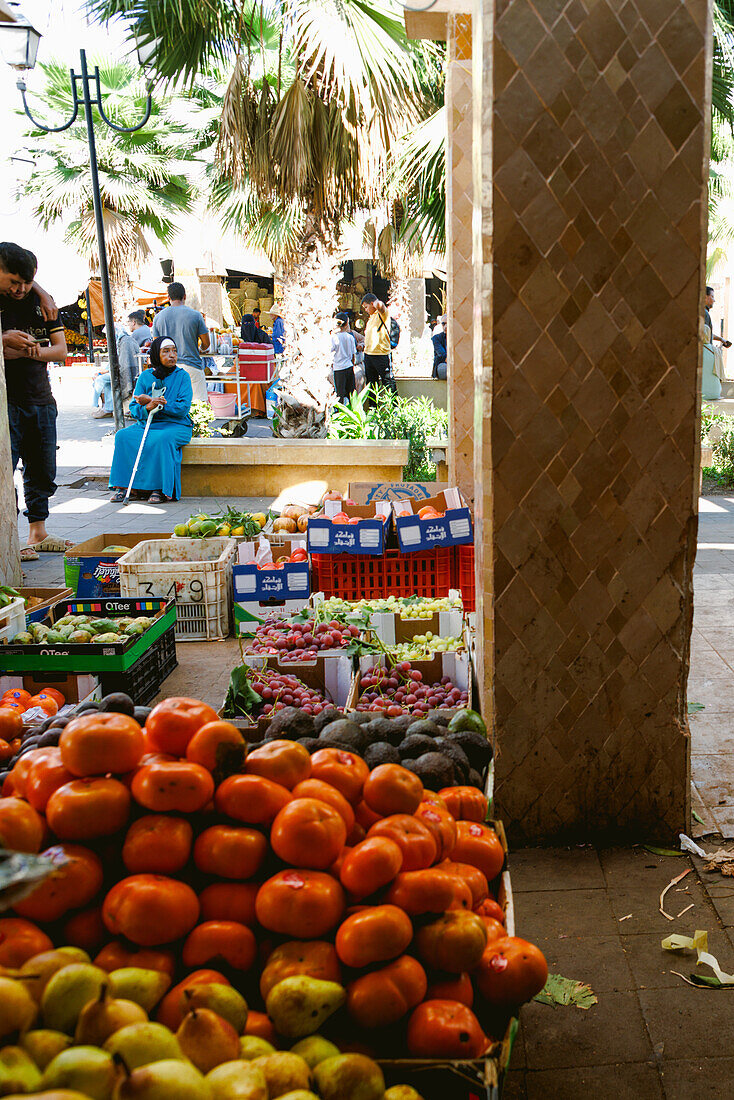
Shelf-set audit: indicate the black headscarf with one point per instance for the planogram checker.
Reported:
(159, 370)
(250, 333)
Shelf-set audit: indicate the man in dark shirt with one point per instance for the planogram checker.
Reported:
(31, 405)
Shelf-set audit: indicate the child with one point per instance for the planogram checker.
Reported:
(344, 349)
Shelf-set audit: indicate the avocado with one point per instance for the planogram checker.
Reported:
(433, 769)
(118, 703)
(311, 744)
(382, 752)
(441, 718)
(403, 723)
(414, 745)
(474, 779)
(360, 717)
(330, 714)
(384, 729)
(345, 733)
(457, 756)
(475, 745)
(467, 720)
(291, 724)
(141, 714)
(50, 739)
(425, 726)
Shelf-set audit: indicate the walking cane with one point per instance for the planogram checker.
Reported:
(154, 393)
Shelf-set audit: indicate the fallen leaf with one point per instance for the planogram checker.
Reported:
(694, 707)
(566, 991)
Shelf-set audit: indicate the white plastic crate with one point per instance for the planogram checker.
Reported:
(12, 619)
(196, 573)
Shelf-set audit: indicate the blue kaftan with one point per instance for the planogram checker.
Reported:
(170, 430)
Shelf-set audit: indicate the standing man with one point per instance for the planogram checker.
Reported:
(278, 330)
(141, 333)
(377, 370)
(186, 327)
(14, 266)
(31, 406)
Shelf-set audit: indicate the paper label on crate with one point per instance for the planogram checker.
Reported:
(410, 534)
(299, 582)
(453, 499)
(369, 537)
(460, 528)
(332, 508)
(382, 508)
(247, 583)
(318, 536)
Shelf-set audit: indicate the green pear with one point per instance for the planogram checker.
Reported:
(350, 1077)
(237, 1080)
(402, 1092)
(18, 1010)
(169, 1079)
(299, 1005)
(18, 1071)
(284, 1072)
(315, 1049)
(207, 1039)
(134, 983)
(101, 1018)
(43, 1045)
(140, 1044)
(252, 1046)
(37, 970)
(67, 992)
(87, 1069)
(222, 999)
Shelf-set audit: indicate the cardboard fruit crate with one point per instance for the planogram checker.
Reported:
(452, 528)
(93, 574)
(76, 688)
(367, 536)
(49, 597)
(12, 620)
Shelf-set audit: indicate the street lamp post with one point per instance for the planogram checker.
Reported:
(21, 54)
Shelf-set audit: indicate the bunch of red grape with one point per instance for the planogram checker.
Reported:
(401, 688)
(293, 641)
(280, 689)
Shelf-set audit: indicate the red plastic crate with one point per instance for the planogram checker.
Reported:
(425, 573)
(464, 576)
(349, 576)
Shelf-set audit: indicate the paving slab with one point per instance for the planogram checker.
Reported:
(625, 1081)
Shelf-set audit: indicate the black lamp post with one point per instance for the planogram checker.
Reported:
(20, 46)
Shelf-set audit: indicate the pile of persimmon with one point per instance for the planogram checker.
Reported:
(176, 846)
(13, 705)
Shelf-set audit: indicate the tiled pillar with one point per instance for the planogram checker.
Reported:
(591, 160)
(9, 553)
(460, 284)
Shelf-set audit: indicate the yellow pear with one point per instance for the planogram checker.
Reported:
(44, 1044)
(314, 1049)
(140, 1044)
(350, 1077)
(402, 1092)
(168, 1079)
(237, 1080)
(18, 1010)
(207, 1039)
(284, 1072)
(101, 1018)
(18, 1071)
(252, 1046)
(134, 983)
(222, 999)
(299, 1005)
(37, 971)
(67, 992)
(299, 1094)
(87, 1069)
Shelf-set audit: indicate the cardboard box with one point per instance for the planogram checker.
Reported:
(455, 664)
(453, 528)
(368, 492)
(75, 687)
(391, 629)
(368, 536)
(94, 575)
(48, 597)
(253, 584)
(248, 616)
(333, 677)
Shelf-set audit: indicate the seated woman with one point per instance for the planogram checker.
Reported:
(167, 388)
(251, 334)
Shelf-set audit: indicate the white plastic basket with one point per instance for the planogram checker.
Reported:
(197, 573)
(12, 620)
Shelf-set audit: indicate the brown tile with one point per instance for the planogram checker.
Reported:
(704, 1078)
(635, 1081)
(562, 1039)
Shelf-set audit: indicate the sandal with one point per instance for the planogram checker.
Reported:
(28, 553)
(118, 496)
(157, 498)
(52, 544)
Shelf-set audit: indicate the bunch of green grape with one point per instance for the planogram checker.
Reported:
(414, 608)
(424, 646)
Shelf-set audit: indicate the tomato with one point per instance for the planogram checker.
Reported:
(20, 940)
(392, 789)
(452, 987)
(215, 743)
(171, 724)
(342, 770)
(383, 997)
(371, 865)
(465, 803)
(511, 972)
(230, 901)
(479, 846)
(150, 909)
(308, 833)
(173, 1007)
(491, 909)
(88, 808)
(472, 876)
(445, 1030)
(101, 744)
(316, 788)
(376, 934)
(44, 777)
(299, 555)
(251, 798)
(428, 891)
(316, 958)
(442, 826)
(21, 828)
(413, 838)
(85, 929)
(230, 851)
(301, 904)
(71, 885)
(174, 785)
(213, 940)
(453, 943)
(116, 954)
(284, 762)
(11, 722)
(157, 844)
